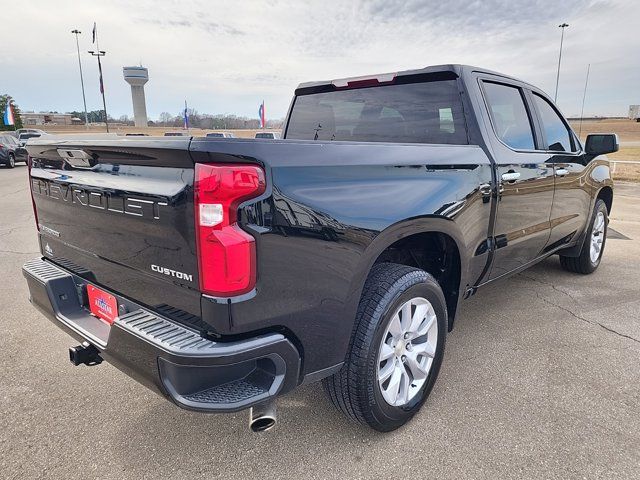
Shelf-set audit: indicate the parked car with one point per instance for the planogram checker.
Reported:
(30, 130)
(175, 134)
(269, 135)
(23, 137)
(11, 151)
(224, 274)
(220, 135)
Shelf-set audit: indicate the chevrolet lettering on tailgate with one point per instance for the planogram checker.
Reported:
(98, 200)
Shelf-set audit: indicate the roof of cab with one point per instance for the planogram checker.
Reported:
(456, 69)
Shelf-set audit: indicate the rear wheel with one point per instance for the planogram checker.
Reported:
(593, 247)
(396, 348)
(12, 161)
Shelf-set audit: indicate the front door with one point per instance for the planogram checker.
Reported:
(572, 199)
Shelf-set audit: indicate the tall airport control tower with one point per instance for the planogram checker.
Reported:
(137, 77)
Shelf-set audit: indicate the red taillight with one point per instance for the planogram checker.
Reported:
(226, 253)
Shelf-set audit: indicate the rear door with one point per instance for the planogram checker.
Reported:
(524, 177)
(572, 199)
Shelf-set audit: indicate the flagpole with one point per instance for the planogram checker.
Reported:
(100, 53)
(584, 96)
(84, 100)
(104, 101)
(186, 117)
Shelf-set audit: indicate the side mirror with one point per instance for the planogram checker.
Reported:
(601, 143)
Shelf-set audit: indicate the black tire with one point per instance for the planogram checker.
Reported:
(355, 390)
(11, 161)
(583, 263)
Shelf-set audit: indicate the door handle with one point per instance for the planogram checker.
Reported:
(561, 172)
(510, 176)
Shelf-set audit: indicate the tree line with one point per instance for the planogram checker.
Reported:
(196, 120)
(213, 122)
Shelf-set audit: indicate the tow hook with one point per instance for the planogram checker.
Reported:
(85, 354)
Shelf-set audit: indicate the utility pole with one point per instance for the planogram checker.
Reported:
(84, 100)
(584, 96)
(100, 53)
(562, 26)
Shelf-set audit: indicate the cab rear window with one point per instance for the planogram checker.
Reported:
(429, 112)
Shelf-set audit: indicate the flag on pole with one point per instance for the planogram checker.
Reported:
(261, 114)
(8, 114)
(94, 32)
(186, 116)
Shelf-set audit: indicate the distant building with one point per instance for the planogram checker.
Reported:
(50, 118)
(634, 112)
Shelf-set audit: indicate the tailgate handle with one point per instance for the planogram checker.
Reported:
(75, 158)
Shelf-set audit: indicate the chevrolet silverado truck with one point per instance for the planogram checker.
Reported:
(224, 272)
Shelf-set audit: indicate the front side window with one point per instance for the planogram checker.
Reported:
(556, 132)
(509, 115)
(425, 112)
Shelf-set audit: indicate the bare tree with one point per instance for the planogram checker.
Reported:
(165, 118)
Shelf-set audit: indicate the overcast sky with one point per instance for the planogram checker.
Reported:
(225, 57)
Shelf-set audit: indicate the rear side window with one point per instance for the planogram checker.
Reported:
(509, 116)
(429, 112)
(556, 133)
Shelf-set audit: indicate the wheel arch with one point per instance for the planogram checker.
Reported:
(392, 244)
(606, 195)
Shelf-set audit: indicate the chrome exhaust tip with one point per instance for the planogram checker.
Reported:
(262, 417)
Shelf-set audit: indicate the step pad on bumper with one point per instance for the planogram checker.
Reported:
(170, 335)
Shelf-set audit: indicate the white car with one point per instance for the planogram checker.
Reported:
(269, 135)
(30, 130)
(23, 137)
(220, 135)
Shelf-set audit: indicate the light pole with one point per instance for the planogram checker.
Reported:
(84, 100)
(101, 53)
(562, 26)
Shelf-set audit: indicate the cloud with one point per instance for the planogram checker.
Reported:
(228, 56)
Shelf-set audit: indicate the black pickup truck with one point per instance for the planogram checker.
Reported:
(225, 272)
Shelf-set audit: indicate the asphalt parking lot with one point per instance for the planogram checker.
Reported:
(541, 379)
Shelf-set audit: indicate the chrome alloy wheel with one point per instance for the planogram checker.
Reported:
(597, 237)
(407, 350)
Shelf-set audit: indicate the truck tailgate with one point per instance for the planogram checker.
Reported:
(120, 214)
